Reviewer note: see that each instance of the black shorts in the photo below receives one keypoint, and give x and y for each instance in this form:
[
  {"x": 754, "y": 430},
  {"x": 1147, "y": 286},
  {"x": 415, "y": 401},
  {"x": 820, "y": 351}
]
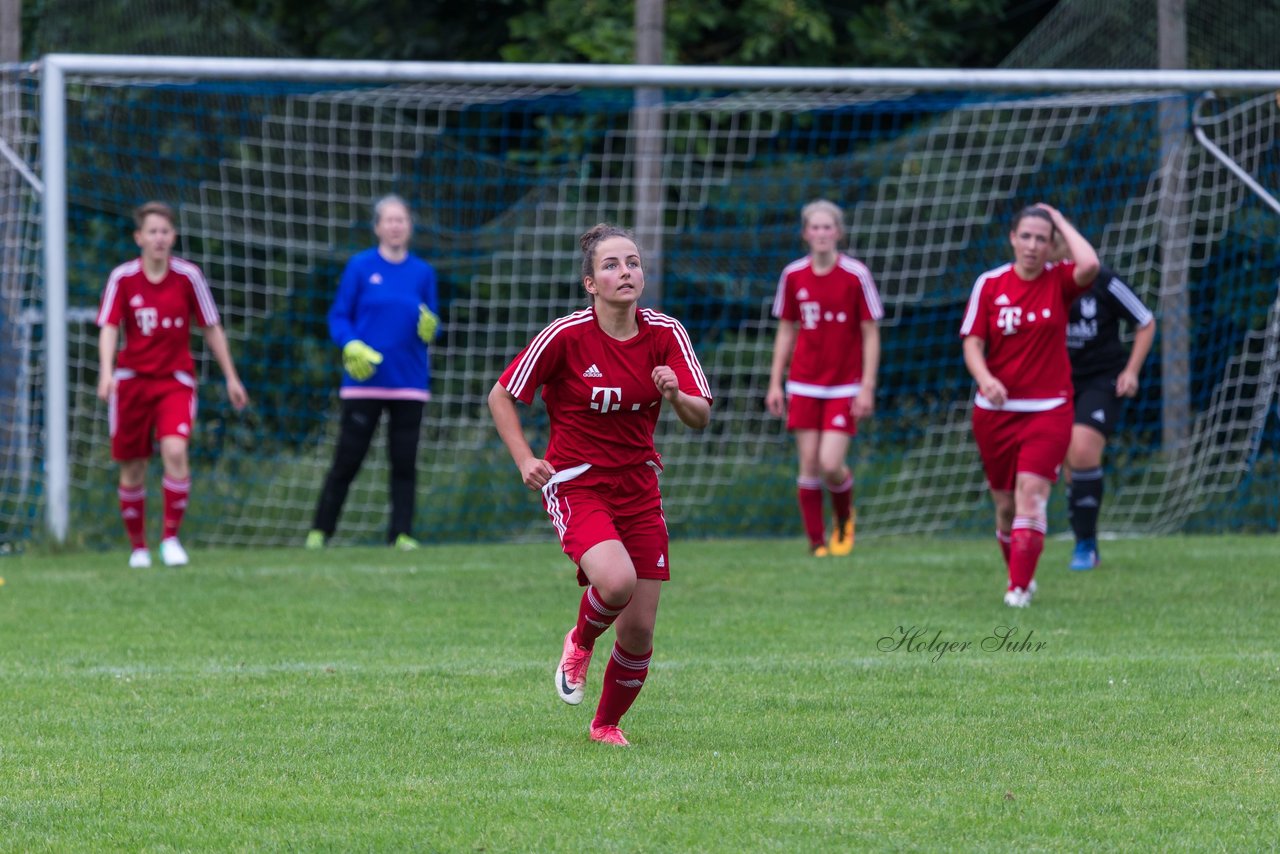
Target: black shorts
[{"x": 1097, "y": 405}]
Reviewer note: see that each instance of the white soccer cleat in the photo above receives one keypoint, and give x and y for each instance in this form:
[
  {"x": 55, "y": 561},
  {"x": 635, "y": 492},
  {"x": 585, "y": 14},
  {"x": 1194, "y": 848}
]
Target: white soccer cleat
[
  {"x": 172, "y": 552},
  {"x": 140, "y": 559},
  {"x": 1017, "y": 598}
]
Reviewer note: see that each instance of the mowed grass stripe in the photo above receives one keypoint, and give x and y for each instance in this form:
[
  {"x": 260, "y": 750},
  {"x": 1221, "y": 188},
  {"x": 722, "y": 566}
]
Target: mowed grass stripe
[{"x": 365, "y": 699}]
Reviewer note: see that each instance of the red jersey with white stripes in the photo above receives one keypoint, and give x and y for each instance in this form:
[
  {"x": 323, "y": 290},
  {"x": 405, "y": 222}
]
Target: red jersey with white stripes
[
  {"x": 156, "y": 316},
  {"x": 1024, "y": 325},
  {"x": 599, "y": 391},
  {"x": 829, "y": 310}
]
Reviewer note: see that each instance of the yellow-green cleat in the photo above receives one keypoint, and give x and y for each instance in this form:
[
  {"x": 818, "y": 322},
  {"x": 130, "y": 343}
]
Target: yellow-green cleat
[
  {"x": 315, "y": 540},
  {"x": 406, "y": 543}
]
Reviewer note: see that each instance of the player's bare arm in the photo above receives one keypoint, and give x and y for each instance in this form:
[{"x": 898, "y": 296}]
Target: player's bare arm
[
  {"x": 108, "y": 339},
  {"x": 1079, "y": 249},
  {"x": 1143, "y": 338},
  {"x": 694, "y": 411},
  {"x": 975, "y": 359},
  {"x": 864, "y": 405},
  {"x": 535, "y": 472},
  {"x": 784, "y": 344},
  {"x": 216, "y": 338}
]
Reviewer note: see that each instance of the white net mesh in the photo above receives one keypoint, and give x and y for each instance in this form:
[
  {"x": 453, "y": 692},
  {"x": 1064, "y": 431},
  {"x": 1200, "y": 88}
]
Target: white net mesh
[
  {"x": 19, "y": 346},
  {"x": 273, "y": 182}
]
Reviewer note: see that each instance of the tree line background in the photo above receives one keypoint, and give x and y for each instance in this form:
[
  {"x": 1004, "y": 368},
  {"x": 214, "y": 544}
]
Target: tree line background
[{"x": 814, "y": 33}]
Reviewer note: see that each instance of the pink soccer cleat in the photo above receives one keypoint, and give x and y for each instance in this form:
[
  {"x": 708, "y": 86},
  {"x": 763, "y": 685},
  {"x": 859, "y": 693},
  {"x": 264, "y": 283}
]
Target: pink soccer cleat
[
  {"x": 609, "y": 734},
  {"x": 571, "y": 672}
]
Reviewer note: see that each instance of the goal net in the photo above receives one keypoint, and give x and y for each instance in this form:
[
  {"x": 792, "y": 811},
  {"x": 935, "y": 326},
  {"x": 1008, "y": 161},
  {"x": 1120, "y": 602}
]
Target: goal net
[{"x": 274, "y": 180}]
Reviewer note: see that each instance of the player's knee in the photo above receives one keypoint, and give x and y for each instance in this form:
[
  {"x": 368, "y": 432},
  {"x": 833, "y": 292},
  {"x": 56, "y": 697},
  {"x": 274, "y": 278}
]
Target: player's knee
[
  {"x": 175, "y": 461},
  {"x": 834, "y": 472},
  {"x": 1079, "y": 459},
  {"x": 132, "y": 473},
  {"x": 635, "y": 638},
  {"x": 1033, "y": 499},
  {"x": 616, "y": 587}
]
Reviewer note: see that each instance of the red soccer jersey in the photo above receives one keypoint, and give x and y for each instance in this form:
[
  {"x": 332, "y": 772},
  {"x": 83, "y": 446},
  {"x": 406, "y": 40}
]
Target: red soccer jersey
[
  {"x": 829, "y": 310},
  {"x": 1024, "y": 325},
  {"x": 156, "y": 318},
  {"x": 587, "y": 376}
]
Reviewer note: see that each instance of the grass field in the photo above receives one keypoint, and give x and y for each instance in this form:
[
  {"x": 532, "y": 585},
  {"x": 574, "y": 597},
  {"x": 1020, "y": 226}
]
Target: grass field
[{"x": 370, "y": 700}]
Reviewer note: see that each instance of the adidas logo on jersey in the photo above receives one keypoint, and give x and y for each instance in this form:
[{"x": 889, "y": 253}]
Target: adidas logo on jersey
[
  {"x": 803, "y": 293},
  {"x": 662, "y": 561},
  {"x": 592, "y": 373},
  {"x": 136, "y": 301},
  {"x": 375, "y": 279},
  {"x": 1003, "y": 299},
  {"x": 1099, "y": 416}
]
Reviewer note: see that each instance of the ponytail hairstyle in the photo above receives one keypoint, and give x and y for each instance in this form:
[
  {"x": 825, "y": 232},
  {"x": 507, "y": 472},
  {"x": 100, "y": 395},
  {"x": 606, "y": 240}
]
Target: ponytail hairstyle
[{"x": 593, "y": 237}]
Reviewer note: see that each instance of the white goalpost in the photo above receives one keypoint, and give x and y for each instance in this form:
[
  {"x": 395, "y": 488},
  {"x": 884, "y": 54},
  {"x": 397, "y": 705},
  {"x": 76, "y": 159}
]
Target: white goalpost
[{"x": 272, "y": 165}]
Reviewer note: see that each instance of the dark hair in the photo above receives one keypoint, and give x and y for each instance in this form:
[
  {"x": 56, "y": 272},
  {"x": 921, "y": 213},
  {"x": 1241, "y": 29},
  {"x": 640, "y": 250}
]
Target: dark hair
[
  {"x": 592, "y": 238},
  {"x": 1038, "y": 213},
  {"x": 142, "y": 211}
]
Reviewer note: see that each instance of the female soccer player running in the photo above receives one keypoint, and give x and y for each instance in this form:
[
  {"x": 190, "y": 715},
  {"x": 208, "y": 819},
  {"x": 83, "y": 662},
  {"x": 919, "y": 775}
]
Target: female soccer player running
[
  {"x": 605, "y": 371},
  {"x": 1103, "y": 375},
  {"x": 151, "y": 388},
  {"x": 1015, "y": 347},
  {"x": 827, "y": 307}
]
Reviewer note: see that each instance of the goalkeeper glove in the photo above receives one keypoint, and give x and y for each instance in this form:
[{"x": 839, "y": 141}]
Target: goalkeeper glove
[
  {"x": 428, "y": 323},
  {"x": 359, "y": 359}
]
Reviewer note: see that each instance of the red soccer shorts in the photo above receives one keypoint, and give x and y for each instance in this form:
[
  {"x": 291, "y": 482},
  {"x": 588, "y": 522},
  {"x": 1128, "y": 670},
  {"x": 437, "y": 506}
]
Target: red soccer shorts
[
  {"x": 599, "y": 505},
  {"x": 817, "y": 413},
  {"x": 143, "y": 406},
  {"x": 1015, "y": 442}
]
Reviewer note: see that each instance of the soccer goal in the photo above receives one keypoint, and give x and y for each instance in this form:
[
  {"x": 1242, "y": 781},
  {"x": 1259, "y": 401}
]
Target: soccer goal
[{"x": 273, "y": 166}]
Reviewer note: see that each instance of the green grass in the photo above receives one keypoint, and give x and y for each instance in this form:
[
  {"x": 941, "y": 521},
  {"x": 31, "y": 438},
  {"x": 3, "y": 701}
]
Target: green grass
[{"x": 363, "y": 699}]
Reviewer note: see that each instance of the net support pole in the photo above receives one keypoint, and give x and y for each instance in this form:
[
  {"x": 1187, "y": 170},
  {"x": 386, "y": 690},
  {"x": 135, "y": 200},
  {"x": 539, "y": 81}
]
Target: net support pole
[
  {"x": 10, "y": 31},
  {"x": 646, "y": 123},
  {"x": 1175, "y": 244},
  {"x": 53, "y": 140}
]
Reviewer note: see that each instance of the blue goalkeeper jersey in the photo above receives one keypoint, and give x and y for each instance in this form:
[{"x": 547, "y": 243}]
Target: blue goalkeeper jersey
[{"x": 377, "y": 303}]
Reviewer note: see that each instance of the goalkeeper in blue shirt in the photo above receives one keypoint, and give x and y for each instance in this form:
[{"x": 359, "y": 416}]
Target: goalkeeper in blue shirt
[{"x": 383, "y": 319}]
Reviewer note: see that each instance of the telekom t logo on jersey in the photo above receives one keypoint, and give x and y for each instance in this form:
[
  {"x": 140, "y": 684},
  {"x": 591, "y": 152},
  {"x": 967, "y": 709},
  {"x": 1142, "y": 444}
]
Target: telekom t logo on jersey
[
  {"x": 610, "y": 398},
  {"x": 1009, "y": 319},
  {"x": 810, "y": 314},
  {"x": 148, "y": 319}
]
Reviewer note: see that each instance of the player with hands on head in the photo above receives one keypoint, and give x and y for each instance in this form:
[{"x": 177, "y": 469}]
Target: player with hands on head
[
  {"x": 149, "y": 384},
  {"x": 1103, "y": 373},
  {"x": 384, "y": 318},
  {"x": 605, "y": 372},
  {"x": 1015, "y": 347},
  {"x": 828, "y": 311}
]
